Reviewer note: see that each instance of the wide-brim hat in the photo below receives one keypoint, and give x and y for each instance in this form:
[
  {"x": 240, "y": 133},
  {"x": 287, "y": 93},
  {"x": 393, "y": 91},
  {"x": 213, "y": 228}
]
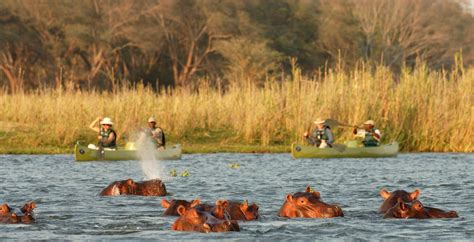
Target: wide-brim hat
[
  {"x": 151, "y": 120},
  {"x": 320, "y": 121},
  {"x": 369, "y": 122},
  {"x": 107, "y": 121}
]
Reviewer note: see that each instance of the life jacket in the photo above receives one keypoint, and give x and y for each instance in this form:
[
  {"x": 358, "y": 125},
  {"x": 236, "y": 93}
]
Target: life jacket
[
  {"x": 105, "y": 136},
  {"x": 322, "y": 134},
  {"x": 158, "y": 130},
  {"x": 369, "y": 139},
  {"x": 318, "y": 136}
]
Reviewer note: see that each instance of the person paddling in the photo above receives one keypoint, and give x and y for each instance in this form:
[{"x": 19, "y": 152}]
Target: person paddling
[
  {"x": 107, "y": 136},
  {"x": 156, "y": 134},
  {"x": 371, "y": 136},
  {"x": 321, "y": 136}
]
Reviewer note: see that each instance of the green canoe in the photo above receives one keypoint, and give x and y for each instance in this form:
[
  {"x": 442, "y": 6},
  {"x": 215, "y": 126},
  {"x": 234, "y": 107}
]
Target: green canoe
[
  {"x": 351, "y": 149},
  {"x": 129, "y": 152}
]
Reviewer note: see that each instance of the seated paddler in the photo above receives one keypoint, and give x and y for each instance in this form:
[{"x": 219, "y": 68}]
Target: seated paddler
[
  {"x": 369, "y": 134},
  {"x": 155, "y": 133},
  {"x": 320, "y": 137},
  {"x": 107, "y": 136}
]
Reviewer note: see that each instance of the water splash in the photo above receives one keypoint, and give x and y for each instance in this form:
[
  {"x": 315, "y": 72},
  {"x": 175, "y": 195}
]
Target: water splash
[{"x": 152, "y": 168}]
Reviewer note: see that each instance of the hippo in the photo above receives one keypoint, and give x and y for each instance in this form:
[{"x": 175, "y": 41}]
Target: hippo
[
  {"x": 222, "y": 208},
  {"x": 197, "y": 220},
  {"x": 391, "y": 198},
  {"x": 417, "y": 210},
  {"x": 172, "y": 206},
  {"x": 129, "y": 187},
  {"x": 239, "y": 211},
  {"x": 308, "y": 204},
  {"x": 12, "y": 215}
]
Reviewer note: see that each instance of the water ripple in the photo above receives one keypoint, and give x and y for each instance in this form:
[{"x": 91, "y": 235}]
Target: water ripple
[{"x": 68, "y": 205}]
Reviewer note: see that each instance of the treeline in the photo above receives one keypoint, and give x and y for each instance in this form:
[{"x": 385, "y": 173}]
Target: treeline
[{"x": 105, "y": 44}]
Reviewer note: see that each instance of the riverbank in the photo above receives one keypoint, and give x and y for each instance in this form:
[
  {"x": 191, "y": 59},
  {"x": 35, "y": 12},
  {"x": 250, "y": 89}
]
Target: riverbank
[{"x": 422, "y": 109}]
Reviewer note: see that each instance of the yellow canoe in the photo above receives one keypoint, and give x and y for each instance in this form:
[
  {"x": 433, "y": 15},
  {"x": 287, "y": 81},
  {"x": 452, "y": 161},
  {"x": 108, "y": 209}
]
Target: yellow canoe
[
  {"x": 129, "y": 152},
  {"x": 347, "y": 150}
]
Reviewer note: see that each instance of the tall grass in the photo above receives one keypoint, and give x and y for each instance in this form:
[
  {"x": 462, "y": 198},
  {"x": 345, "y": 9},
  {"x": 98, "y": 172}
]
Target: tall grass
[{"x": 425, "y": 110}]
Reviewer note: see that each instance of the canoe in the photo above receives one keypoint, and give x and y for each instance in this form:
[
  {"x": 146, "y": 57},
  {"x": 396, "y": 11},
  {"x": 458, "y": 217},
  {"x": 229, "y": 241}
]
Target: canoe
[
  {"x": 351, "y": 149},
  {"x": 83, "y": 153}
]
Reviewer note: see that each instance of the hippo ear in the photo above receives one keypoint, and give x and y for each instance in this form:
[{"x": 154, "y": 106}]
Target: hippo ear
[
  {"x": 194, "y": 203},
  {"x": 4, "y": 208},
  {"x": 316, "y": 194},
  {"x": 225, "y": 203},
  {"x": 181, "y": 210},
  {"x": 289, "y": 198},
  {"x": 222, "y": 203},
  {"x": 384, "y": 193},
  {"x": 129, "y": 182},
  {"x": 244, "y": 206},
  {"x": 28, "y": 207},
  {"x": 414, "y": 195},
  {"x": 308, "y": 188},
  {"x": 165, "y": 203}
]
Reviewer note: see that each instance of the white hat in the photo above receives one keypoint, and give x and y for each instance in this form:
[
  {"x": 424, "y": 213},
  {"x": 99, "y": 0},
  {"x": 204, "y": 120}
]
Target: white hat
[
  {"x": 106, "y": 121},
  {"x": 151, "y": 119},
  {"x": 320, "y": 121},
  {"x": 370, "y": 121}
]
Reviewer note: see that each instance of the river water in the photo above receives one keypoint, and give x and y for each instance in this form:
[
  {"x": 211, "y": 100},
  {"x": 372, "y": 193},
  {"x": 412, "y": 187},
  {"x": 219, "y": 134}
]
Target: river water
[{"x": 68, "y": 205}]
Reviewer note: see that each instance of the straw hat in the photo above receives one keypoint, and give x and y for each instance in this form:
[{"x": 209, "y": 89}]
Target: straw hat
[
  {"x": 107, "y": 121},
  {"x": 151, "y": 120},
  {"x": 320, "y": 121},
  {"x": 370, "y": 122}
]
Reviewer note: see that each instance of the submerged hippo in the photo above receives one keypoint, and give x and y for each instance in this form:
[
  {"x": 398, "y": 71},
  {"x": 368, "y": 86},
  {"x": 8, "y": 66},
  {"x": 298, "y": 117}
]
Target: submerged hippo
[
  {"x": 391, "y": 198},
  {"x": 197, "y": 220},
  {"x": 14, "y": 215},
  {"x": 308, "y": 204},
  {"x": 417, "y": 210},
  {"x": 128, "y": 187},
  {"x": 233, "y": 210}
]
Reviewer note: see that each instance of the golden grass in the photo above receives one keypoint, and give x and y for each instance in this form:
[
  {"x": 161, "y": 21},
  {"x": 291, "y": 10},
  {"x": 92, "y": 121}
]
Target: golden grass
[{"x": 424, "y": 110}]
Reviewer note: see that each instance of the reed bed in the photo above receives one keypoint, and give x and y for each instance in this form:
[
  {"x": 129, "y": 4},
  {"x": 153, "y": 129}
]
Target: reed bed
[{"x": 424, "y": 110}]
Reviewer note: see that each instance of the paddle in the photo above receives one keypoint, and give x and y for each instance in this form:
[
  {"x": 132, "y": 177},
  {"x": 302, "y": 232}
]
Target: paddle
[
  {"x": 334, "y": 123},
  {"x": 101, "y": 147}
]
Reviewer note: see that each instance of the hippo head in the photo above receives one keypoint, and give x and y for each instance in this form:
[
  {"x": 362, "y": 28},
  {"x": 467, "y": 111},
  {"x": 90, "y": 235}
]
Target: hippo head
[
  {"x": 125, "y": 187},
  {"x": 399, "y": 210},
  {"x": 129, "y": 187},
  {"x": 308, "y": 205},
  {"x": 420, "y": 211},
  {"x": 172, "y": 206},
  {"x": 28, "y": 207},
  {"x": 153, "y": 187},
  {"x": 250, "y": 211},
  {"x": 4, "y": 209},
  {"x": 201, "y": 221},
  {"x": 23, "y": 215},
  {"x": 391, "y": 198},
  {"x": 220, "y": 209},
  {"x": 243, "y": 211}
]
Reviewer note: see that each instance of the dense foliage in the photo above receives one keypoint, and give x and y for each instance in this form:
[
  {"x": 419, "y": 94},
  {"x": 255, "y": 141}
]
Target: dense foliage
[{"x": 105, "y": 44}]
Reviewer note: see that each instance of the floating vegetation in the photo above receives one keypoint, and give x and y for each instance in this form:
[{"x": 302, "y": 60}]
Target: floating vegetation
[
  {"x": 234, "y": 165},
  {"x": 173, "y": 173}
]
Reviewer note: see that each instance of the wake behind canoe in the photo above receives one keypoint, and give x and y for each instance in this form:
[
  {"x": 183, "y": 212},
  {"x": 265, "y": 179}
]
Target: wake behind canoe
[
  {"x": 84, "y": 153},
  {"x": 305, "y": 151}
]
